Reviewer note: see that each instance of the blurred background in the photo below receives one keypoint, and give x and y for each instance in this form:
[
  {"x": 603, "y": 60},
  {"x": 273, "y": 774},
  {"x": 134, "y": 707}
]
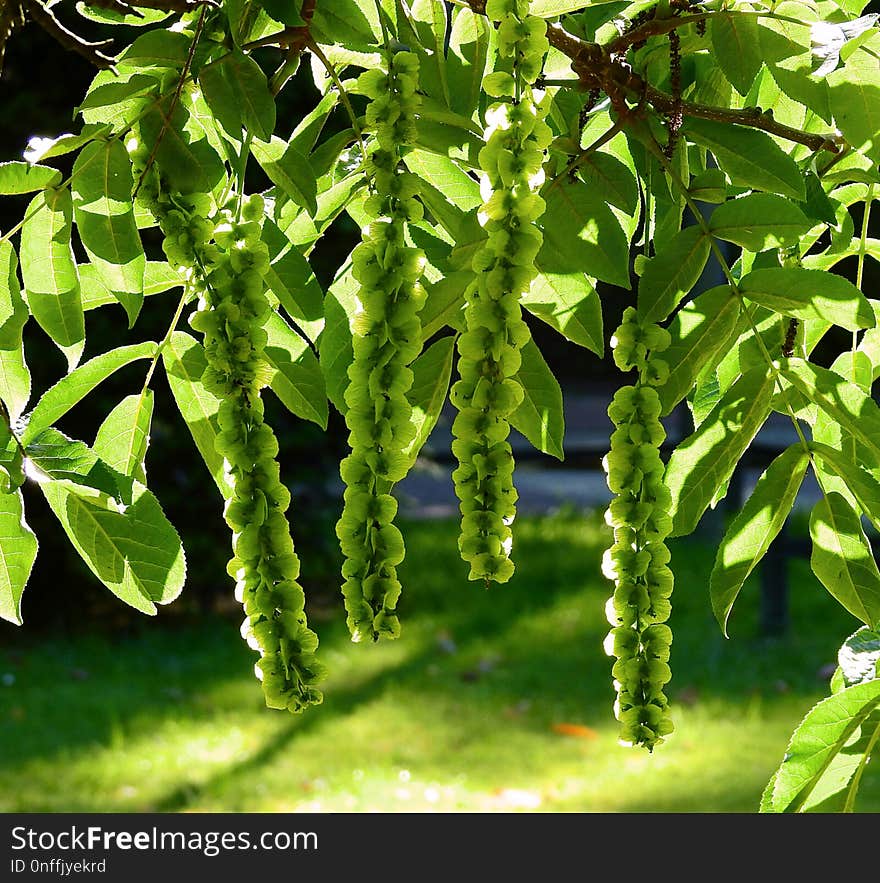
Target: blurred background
[{"x": 490, "y": 701}]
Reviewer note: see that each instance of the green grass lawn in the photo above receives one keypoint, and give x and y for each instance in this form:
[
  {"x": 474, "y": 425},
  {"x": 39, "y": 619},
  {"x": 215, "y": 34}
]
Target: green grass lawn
[{"x": 492, "y": 700}]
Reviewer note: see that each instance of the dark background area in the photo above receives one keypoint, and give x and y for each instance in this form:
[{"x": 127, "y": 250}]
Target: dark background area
[{"x": 40, "y": 85}]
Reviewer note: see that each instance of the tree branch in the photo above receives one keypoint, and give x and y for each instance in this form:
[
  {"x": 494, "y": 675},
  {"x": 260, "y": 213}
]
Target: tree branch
[
  {"x": 598, "y": 67},
  {"x": 45, "y": 18},
  {"x": 656, "y": 27},
  {"x": 752, "y": 117}
]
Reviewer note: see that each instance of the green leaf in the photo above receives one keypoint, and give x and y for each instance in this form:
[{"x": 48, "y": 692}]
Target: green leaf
[
  {"x": 45, "y": 148},
  {"x": 750, "y": 157},
  {"x": 705, "y": 460},
  {"x": 181, "y": 147},
  {"x": 863, "y": 486},
  {"x": 140, "y": 18},
  {"x": 759, "y": 221},
  {"x": 49, "y": 271},
  {"x": 582, "y": 235},
  {"x": 54, "y": 456},
  {"x": 158, "y": 278},
  {"x": 15, "y": 379},
  {"x": 292, "y": 280},
  {"x": 540, "y": 416},
  {"x": 606, "y": 174},
  {"x": 185, "y": 363},
  {"x": 842, "y": 558},
  {"x": 842, "y": 401},
  {"x": 705, "y": 396},
  {"x": 335, "y": 351},
  {"x": 855, "y": 103},
  {"x": 343, "y": 21},
  {"x": 18, "y": 549},
  {"x": 297, "y": 379},
  {"x": 124, "y": 435},
  {"x": 431, "y": 373},
  {"x": 823, "y": 734},
  {"x": 288, "y": 169},
  {"x": 700, "y": 331},
  {"x": 248, "y": 21},
  {"x": 110, "y": 94},
  {"x": 465, "y": 60},
  {"x": 709, "y": 186},
  {"x": 737, "y": 49},
  {"x": 284, "y": 11},
  {"x": 133, "y": 549},
  {"x": 12, "y": 464},
  {"x": 60, "y": 398},
  {"x": 859, "y": 657},
  {"x": 552, "y": 8},
  {"x": 102, "y": 185},
  {"x": 236, "y": 90},
  {"x": 22, "y": 177},
  {"x": 10, "y": 290},
  {"x": 446, "y": 177},
  {"x": 157, "y": 48},
  {"x": 445, "y": 302},
  {"x": 672, "y": 273},
  {"x": 817, "y": 205},
  {"x": 809, "y": 294},
  {"x": 755, "y": 527},
  {"x": 571, "y": 305},
  {"x": 310, "y": 126},
  {"x": 117, "y": 98}
]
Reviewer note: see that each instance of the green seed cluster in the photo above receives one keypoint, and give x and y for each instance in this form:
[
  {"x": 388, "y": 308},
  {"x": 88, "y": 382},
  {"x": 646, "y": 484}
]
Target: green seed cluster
[
  {"x": 387, "y": 338},
  {"x": 488, "y": 391},
  {"x": 223, "y": 261},
  {"x": 638, "y": 561}
]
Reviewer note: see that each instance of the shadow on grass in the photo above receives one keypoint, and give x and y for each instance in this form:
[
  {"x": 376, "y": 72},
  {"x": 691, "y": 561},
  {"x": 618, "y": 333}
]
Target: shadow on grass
[
  {"x": 537, "y": 639},
  {"x": 82, "y": 689}
]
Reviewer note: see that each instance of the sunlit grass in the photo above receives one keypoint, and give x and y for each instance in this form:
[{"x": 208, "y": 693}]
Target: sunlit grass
[{"x": 491, "y": 700}]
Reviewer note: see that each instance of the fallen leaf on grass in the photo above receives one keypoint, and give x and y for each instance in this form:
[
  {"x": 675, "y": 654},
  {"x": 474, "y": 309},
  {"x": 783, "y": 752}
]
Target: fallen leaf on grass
[{"x": 579, "y": 731}]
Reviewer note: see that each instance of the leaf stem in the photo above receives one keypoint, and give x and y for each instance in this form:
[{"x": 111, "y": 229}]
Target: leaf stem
[
  {"x": 860, "y": 267},
  {"x": 853, "y": 788},
  {"x": 313, "y": 47},
  {"x": 584, "y": 155},
  {"x": 167, "y": 338},
  {"x": 175, "y": 99},
  {"x": 725, "y": 268}
]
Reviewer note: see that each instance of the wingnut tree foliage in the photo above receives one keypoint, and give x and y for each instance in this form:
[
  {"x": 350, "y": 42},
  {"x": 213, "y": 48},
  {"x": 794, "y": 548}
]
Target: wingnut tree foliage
[{"x": 502, "y": 158}]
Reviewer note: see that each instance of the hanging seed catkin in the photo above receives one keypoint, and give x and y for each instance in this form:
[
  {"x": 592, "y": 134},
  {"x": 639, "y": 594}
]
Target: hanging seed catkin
[
  {"x": 387, "y": 338},
  {"x": 488, "y": 390},
  {"x": 220, "y": 257},
  {"x": 638, "y": 560}
]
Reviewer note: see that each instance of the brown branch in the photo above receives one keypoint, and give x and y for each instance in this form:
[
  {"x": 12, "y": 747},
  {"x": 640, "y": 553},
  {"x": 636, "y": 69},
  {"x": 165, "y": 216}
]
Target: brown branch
[
  {"x": 656, "y": 27},
  {"x": 597, "y": 67},
  {"x": 11, "y": 17},
  {"x": 753, "y": 117},
  {"x": 296, "y": 44},
  {"x": 45, "y": 18}
]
